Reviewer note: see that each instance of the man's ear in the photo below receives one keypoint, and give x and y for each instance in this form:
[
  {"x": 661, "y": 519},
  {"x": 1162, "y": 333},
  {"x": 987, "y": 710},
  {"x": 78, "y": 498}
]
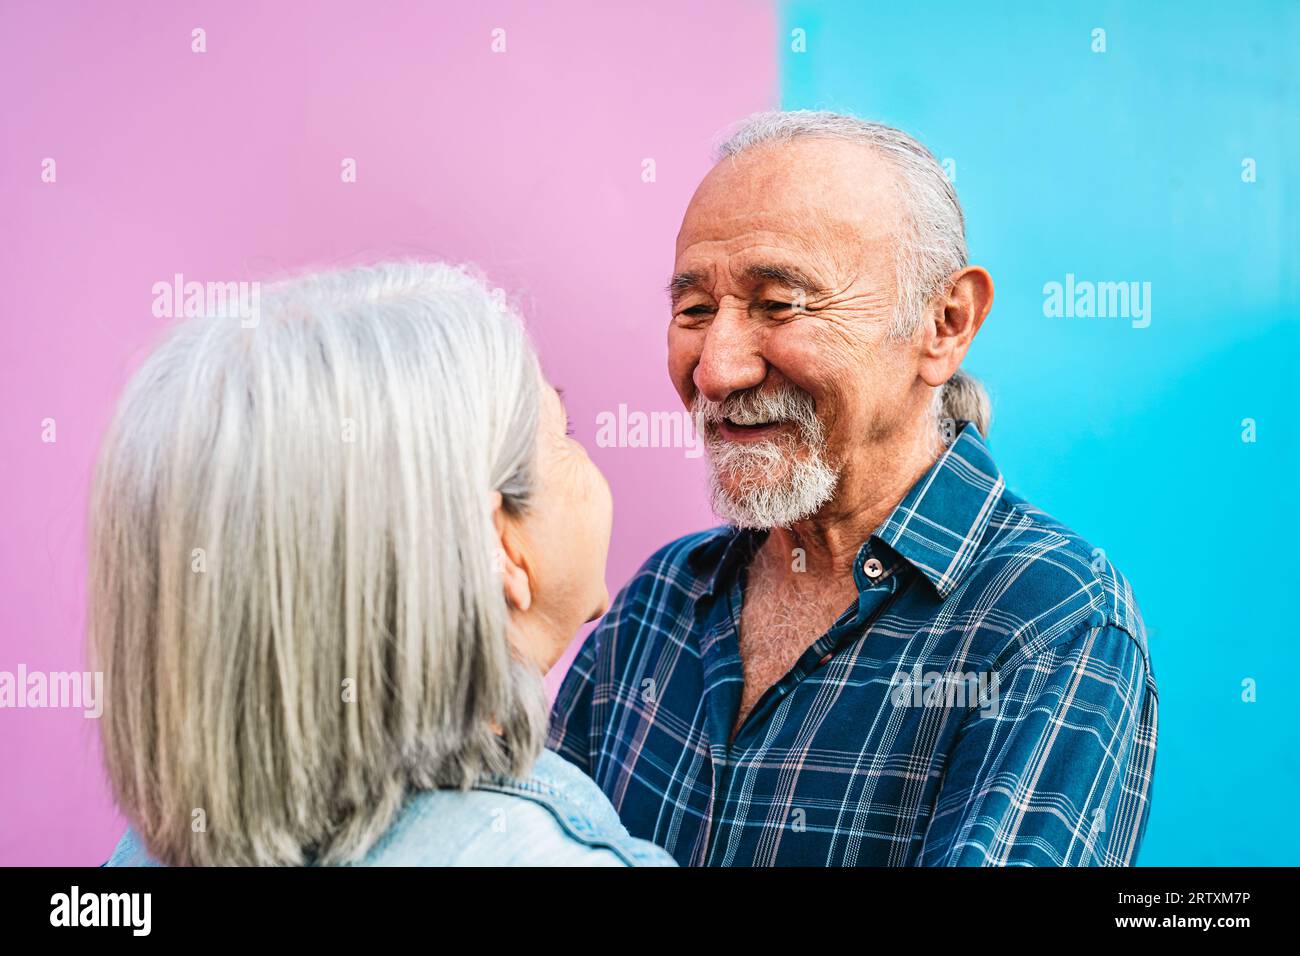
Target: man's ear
[
  {"x": 511, "y": 559},
  {"x": 954, "y": 323}
]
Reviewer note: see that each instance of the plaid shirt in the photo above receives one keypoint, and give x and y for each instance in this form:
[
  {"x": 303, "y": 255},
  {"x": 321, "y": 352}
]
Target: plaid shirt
[{"x": 988, "y": 700}]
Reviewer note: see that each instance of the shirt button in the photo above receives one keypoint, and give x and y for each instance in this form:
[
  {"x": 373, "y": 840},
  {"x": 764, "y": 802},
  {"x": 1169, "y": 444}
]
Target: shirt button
[{"x": 873, "y": 568}]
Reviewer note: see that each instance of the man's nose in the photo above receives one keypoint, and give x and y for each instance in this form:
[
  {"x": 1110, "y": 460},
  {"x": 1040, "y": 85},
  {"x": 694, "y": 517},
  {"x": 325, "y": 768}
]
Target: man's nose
[{"x": 731, "y": 360}]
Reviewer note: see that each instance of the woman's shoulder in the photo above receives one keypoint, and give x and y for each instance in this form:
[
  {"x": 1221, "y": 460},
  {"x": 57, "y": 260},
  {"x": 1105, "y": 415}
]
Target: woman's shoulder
[
  {"x": 130, "y": 851},
  {"x": 582, "y": 811},
  {"x": 556, "y": 816}
]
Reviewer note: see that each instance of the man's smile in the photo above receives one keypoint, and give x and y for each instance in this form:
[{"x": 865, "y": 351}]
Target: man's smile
[{"x": 732, "y": 430}]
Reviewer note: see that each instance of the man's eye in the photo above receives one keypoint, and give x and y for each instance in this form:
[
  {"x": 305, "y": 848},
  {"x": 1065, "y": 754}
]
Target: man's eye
[{"x": 698, "y": 310}]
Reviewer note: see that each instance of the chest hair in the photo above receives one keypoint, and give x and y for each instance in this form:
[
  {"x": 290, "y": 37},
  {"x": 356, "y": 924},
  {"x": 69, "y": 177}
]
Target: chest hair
[{"x": 782, "y": 616}]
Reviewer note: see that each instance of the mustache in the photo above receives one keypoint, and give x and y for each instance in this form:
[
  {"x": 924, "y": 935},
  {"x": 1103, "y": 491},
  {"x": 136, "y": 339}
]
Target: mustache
[{"x": 788, "y": 404}]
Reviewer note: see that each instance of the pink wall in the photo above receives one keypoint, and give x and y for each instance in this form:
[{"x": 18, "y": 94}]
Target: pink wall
[{"x": 226, "y": 165}]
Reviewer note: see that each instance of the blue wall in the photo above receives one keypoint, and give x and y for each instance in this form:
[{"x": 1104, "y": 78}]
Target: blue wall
[{"x": 1127, "y": 166}]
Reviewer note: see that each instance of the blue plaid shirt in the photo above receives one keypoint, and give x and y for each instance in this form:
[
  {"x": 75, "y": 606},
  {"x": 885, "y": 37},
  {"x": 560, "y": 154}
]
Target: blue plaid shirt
[{"x": 988, "y": 700}]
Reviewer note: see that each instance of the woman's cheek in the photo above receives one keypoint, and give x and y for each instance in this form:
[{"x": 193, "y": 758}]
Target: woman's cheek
[{"x": 606, "y": 497}]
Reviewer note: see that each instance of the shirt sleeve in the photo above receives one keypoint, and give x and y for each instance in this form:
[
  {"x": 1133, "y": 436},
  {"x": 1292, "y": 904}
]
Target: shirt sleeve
[
  {"x": 570, "y": 732},
  {"x": 1058, "y": 772}
]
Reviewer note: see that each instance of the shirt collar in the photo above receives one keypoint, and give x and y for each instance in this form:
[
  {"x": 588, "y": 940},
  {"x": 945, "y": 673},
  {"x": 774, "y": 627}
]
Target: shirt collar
[
  {"x": 939, "y": 524},
  {"x": 937, "y": 527},
  {"x": 716, "y": 558}
]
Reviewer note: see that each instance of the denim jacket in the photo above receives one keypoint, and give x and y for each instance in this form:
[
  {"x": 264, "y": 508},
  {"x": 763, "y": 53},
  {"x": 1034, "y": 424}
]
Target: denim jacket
[{"x": 555, "y": 817}]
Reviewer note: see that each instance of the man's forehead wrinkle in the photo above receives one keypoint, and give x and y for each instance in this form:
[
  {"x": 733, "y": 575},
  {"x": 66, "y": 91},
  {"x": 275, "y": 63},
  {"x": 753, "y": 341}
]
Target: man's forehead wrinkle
[
  {"x": 748, "y": 259},
  {"x": 820, "y": 261},
  {"x": 813, "y": 229},
  {"x": 773, "y": 269},
  {"x": 838, "y": 229}
]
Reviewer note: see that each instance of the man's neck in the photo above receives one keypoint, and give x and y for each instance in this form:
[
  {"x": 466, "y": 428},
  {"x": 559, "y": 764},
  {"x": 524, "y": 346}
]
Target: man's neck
[{"x": 824, "y": 547}]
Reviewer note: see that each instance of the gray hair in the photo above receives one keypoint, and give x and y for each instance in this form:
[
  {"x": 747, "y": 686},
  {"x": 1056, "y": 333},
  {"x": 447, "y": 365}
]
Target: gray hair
[
  {"x": 294, "y": 592},
  {"x": 932, "y": 245}
]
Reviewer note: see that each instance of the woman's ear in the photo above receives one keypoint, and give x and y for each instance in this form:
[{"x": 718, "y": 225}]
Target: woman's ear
[{"x": 510, "y": 558}]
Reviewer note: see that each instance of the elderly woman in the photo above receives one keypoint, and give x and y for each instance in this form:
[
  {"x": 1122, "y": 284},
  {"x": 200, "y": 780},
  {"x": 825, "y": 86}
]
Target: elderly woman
[{"x": 332, "y": 555}]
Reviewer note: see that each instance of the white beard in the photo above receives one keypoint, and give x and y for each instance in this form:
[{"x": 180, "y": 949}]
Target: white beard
[{"x": 772, "y": 483}]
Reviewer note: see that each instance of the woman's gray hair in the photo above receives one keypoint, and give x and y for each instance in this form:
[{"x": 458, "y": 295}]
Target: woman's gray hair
[
  {"x": 932, "y": 245},
  {"x": 294, "y": 590}
]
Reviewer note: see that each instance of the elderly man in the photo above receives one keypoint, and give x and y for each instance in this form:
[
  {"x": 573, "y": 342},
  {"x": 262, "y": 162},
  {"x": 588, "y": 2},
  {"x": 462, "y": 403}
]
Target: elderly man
[{"x": 886, "y": 657}]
